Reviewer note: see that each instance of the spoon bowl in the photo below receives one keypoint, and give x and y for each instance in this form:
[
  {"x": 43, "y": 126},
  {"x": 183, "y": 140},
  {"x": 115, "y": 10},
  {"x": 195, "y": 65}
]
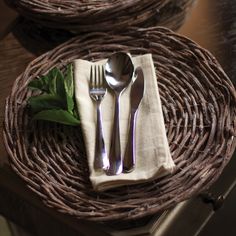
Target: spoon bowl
[{"x": 119, "y": 70}]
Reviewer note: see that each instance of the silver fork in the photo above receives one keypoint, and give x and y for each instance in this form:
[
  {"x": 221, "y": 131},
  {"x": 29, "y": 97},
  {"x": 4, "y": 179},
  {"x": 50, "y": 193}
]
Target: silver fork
[{"x": 97, "y": 91}]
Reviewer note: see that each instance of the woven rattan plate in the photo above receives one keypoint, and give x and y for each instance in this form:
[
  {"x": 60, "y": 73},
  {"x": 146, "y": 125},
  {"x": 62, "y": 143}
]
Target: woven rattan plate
[
  {"x": 199, "y": 105},
  {"x": 103, "y": 15}
]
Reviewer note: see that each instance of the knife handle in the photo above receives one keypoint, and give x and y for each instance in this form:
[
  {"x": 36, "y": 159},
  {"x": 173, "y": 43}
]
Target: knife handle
[{"x": 130, "y": 151}]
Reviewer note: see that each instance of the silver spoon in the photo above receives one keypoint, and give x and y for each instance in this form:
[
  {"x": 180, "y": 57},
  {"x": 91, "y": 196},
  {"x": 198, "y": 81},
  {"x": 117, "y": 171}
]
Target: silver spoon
[{"x": 118, "y": 72}]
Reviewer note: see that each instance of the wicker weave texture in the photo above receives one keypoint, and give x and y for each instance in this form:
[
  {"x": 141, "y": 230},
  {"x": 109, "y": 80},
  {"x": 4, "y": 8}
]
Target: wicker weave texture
[
  {"x": 103, "y": 15},
  {"x": 199, "y": 106}
]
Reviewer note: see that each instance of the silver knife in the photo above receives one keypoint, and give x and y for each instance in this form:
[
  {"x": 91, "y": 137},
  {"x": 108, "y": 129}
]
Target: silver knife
[{"x": 136, "y": 95}]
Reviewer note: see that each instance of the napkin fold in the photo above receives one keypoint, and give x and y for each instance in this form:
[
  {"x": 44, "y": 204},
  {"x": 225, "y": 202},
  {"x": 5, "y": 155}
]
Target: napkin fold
[{"x": 153, "y": 158}]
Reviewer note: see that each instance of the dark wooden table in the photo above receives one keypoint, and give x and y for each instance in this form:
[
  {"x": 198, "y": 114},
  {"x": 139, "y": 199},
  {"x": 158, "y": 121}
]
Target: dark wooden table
[{"x": 211, "y": 24}]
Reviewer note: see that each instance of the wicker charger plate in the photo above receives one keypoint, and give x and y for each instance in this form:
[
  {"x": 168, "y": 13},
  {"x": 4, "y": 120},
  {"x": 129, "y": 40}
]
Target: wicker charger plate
[
  {"x": 103, "y": 15},
  {"x": 199, "y": 105}
]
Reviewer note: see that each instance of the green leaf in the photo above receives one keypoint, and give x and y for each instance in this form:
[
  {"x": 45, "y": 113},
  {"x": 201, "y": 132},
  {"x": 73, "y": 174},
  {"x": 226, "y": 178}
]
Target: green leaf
[
  {"x": 76, "y": 113},
  {"x": 36, "y": 84},
  {"x": 40, "y": 83},
  {"x": 52, "y": 85},
  {"x": 69, "y": 82},
  {"x": 45, "y": 101},
  {"x": 59, "y": 116},
  {"x": 70, "y": 104},
  {"x": 56, "y": 82},
  {"x": 57, "y": 103}
]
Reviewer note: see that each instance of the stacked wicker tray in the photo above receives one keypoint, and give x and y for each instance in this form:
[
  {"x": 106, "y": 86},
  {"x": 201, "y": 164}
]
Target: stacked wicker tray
[
  {"x": 199, "y": 105},
  {"x": 103, "y": 15}
]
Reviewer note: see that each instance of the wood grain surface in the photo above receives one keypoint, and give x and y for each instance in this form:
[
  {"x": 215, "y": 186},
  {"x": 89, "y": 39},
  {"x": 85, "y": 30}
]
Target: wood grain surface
[{"x": 13, "y": 60}]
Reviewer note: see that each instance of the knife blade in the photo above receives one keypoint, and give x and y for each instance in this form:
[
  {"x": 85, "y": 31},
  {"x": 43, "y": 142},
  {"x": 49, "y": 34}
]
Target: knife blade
[
  {"x": 136, "y": 95},
  {"x": 137, "y": 89}
]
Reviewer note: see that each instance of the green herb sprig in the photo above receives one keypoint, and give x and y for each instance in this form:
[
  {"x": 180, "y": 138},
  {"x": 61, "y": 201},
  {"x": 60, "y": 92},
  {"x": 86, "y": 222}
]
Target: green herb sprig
[{"x": 56, "y": 101}]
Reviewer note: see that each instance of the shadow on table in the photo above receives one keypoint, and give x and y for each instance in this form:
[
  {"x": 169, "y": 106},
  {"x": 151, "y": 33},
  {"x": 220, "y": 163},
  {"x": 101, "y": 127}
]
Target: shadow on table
[
  {"x": 39, "y": 39},
  {"x": 36, "y": 38}
]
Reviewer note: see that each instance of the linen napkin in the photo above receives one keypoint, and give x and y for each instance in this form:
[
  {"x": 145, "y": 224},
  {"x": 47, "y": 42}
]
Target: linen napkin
[{"x": 153, "y": 158}]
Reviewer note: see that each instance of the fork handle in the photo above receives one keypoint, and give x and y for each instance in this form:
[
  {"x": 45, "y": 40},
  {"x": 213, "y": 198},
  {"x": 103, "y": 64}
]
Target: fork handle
[
  {"x": 101, "y": 159},
  {"x": 116, "y": 165}
]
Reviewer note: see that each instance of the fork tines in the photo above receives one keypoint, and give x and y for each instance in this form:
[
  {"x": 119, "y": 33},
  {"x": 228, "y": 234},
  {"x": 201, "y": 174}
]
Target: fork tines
[{"x": 97, "y": 77}]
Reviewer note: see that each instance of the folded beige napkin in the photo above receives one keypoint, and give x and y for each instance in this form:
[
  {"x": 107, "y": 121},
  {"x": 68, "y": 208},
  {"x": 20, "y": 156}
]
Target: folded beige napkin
[{"x": 153, "y": 158}]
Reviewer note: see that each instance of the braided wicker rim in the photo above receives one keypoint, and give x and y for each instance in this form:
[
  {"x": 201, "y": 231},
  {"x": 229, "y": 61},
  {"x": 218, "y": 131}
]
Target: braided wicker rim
[
  {"x": 199, "y": 105},
  {"x": 103, "y": 15}
]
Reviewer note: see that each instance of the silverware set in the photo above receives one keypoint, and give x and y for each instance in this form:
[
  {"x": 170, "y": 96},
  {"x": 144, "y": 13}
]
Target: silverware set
[{"x": 118, "y": 72}]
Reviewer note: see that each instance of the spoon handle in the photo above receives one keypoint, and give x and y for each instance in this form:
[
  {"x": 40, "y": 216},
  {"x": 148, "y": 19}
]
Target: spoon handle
[
  {"x": 115, "y": 160},
  {"x": 130, "y": 152}
]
